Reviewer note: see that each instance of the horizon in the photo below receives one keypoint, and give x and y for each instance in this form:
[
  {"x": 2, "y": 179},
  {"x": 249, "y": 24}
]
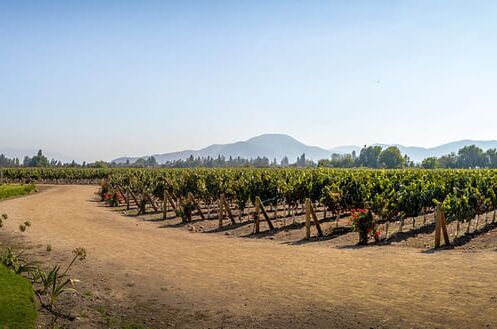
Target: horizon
[
  {"x": 94, "y": 81},
  {"x": 334, "y": 150}
]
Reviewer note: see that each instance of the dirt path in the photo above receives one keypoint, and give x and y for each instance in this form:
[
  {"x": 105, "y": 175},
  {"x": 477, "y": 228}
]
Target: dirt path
[{"x": 179, "y": 279}]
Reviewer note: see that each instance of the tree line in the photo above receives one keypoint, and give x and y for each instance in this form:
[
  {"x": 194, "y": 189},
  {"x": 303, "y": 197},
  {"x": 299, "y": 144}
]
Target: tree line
[
  {"x": 369, "y": 157},
  {"x": 466, "y": 158}
]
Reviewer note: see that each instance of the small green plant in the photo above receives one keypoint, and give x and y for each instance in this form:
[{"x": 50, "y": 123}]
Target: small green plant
[
  {"x": 16, "y": 262},
  {"x": 54, "y": 283}
]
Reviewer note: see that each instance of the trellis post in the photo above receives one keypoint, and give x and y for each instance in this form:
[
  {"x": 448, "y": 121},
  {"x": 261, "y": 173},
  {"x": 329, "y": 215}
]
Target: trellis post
[{"x": 440, "y": 228}]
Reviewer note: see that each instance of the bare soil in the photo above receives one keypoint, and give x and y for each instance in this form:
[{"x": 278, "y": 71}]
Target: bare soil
[{"x": 162, "y": 273}]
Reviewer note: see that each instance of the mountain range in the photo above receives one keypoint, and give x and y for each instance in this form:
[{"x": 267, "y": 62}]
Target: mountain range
[{"x": 280, "y": 145}]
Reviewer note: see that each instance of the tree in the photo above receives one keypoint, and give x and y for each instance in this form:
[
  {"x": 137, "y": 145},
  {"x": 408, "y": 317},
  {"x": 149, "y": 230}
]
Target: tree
[
  {"x": 471, "y": 157},
  {"x": 448, "y": 161},
  {"x": 285, "y": 162},
  {"x": 39, "y": 160},
  {"x": 430, "y": 163},
  {"x": 491, "y": 156},
  {"x": 369, "y": 157},
  {"x": 391, "y": 158},
  {"x": 301, "y": 161}
]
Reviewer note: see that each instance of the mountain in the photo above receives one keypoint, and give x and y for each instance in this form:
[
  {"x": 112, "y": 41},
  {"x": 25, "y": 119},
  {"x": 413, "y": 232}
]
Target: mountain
[
  {"x": 280, "y": 145},
  {"x": 267, "y": 145}
]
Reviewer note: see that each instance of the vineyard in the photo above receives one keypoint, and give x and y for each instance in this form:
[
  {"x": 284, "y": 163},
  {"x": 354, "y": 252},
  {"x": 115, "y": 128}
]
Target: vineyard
[
  {"x": 247, "y": 236},
  {"x": 267, "y": 197}
]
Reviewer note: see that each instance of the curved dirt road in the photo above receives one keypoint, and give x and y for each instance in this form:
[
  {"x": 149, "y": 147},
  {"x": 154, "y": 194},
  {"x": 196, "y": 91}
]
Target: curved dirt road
[{"x": 182, "y": 279}]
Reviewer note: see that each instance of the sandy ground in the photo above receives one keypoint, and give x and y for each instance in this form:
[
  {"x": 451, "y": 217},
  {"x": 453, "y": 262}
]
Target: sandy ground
[{"x": 162, "y": 277}]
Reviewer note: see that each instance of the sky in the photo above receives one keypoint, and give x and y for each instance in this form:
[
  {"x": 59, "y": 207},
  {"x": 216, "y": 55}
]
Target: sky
[{"x": 101, "y": 79}]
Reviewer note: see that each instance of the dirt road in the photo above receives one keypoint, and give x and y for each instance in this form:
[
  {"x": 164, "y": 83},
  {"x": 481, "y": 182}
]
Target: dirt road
[{"x": 180, "y": 279}]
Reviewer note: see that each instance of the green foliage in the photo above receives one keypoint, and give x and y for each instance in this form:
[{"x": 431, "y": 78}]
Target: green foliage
[
  {"x": 388, "y": 193},
  {"x": 17, "y": 308},
  {"x": 370, "y": 157},
  {"x": 39, "y": 160},
  {"x": 9, "y": 191},
  {"x": 430, "y": 163},
  {"x": 391, "y": 158}
]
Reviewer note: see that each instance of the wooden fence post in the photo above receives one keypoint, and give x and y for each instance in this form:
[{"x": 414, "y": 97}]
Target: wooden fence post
[
  {"x": 134, "y": 198},
  {"x": 264, "y": 213},
  {"x": 220, "y": 213},
  {"x": 440, "y": 228},
  {"x": 152, "y": 202},
  {"x": 227, "y": 208},
  {"x": 127, "y": 199},
  {"x": 307, "y": 219},
  {"x": 170, "y": 199},
  {"x": 195, "y": 203},
  {"x": 316, "y": 221},
  {"x": 256, "y": 218},
  {"x": 164, "y": 205}
]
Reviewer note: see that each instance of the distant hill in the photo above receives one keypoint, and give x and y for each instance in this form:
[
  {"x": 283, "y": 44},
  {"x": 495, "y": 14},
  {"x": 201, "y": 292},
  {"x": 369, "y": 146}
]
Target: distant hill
[
  {"x": 267, "y": 145},
  {"x": 280, "y": 145}
]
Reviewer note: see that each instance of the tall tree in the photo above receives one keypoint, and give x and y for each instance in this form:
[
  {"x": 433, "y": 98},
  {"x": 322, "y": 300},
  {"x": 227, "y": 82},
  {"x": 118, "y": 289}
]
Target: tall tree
[
  {"x": 369, "y": 157},
  {"x": 391, "y": 158}
]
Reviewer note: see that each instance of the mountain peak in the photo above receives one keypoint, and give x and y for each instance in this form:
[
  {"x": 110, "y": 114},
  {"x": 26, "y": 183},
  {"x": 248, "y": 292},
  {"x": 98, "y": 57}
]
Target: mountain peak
[
  {"x": 275, "y": 145},
  {"x": 272, "y": 146}
]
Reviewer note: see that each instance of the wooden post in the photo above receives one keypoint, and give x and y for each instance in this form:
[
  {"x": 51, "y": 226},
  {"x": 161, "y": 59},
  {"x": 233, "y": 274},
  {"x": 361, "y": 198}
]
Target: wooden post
[
  {"x": 142, "y": 207},
  {"x": 227, "y": 208},
  {"x": 195, "y": 203},
  {"x": 127, "y": 199},
  {"x": 307, "y": 219},
  {"x": 440, "y": 228},
  {"x": 122, "y": 194},
  {"x": 256, "y": 217},
  {"x": 220, "y": 212},
  {"x": 152, "y": 202},
  {"x": 164, "y": 205},
  {"x": 134, "y": 198},
  {"x": 444, "y": 228},
  {"x": 170, "y": 199},
  {"x": 316, "y": 222},
  {"x": 264, "y": 213}
]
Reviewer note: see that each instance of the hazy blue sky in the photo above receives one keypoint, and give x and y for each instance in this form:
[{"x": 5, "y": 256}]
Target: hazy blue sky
[{"x": 107, "y": 78}]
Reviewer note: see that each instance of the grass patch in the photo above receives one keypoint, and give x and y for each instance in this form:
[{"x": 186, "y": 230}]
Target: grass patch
[
  {"x": 17, "y": 307},
  {"x": 9, "y": 191}
]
